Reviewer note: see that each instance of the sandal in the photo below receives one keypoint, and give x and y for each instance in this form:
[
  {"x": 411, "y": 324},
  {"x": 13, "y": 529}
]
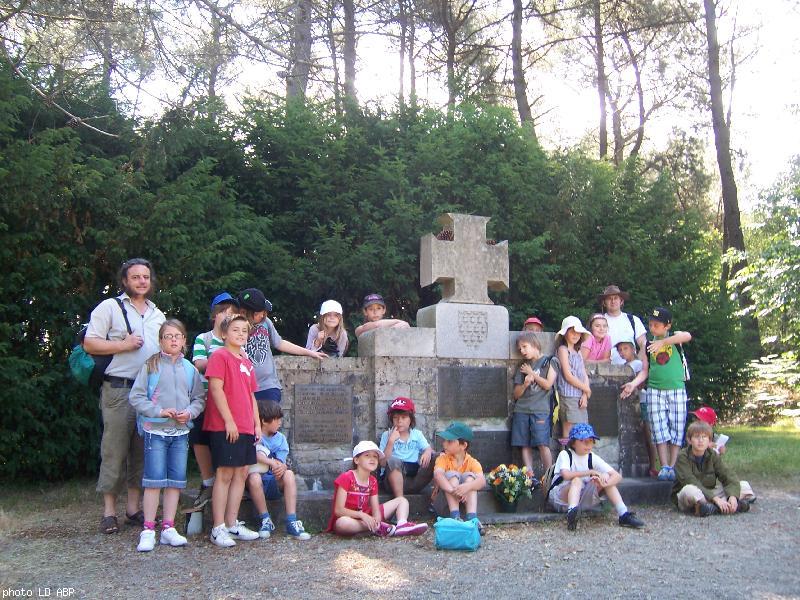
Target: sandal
[
  {"x": 136, "y": 519},
  {"x": 109, "y": 525}
]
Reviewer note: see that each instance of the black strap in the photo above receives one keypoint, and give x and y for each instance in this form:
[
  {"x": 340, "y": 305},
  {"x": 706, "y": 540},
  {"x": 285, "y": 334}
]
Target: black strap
[
  {"x": 633, "y": 329},
  {"x": 124, "y": 314},
  {"x": 558, "y": 479}
]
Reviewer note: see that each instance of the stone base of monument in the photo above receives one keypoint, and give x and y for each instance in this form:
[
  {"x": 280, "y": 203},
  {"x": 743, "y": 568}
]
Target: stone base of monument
[
  {"x": 314, "y": 508},
  {"x": 467, "y": 330}
]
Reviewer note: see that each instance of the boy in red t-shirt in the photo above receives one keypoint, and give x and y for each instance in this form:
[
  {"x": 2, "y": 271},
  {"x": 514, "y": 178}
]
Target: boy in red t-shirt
[{"x": 233, "y": 425}]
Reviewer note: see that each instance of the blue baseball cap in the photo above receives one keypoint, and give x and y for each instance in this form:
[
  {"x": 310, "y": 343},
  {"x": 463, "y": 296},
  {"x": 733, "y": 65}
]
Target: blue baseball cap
[
  {"x": 224, "y": 298},
  {"x": 582, "y": 431}
]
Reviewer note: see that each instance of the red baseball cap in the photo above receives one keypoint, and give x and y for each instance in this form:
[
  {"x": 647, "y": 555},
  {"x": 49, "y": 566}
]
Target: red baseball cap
[
  {"x": 534, "y": 321},
  {"x": 705, "y": 414},
  {"x": 401, "y": 403}
]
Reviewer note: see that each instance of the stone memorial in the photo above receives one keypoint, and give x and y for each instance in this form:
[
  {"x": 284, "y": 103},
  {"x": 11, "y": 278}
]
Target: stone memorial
[{"x": 473, "y": 392}]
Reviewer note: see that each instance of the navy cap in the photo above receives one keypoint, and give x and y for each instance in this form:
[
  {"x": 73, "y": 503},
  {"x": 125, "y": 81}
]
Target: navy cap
[{"x": 253, "y": 299}]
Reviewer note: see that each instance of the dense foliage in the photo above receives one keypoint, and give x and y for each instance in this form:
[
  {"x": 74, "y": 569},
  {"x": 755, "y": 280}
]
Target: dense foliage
[{"x": 308, "y": 205}]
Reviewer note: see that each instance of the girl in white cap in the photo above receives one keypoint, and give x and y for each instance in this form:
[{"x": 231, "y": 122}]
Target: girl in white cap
[
  {"x": 356, "y": 508},
  {"x": 573, "y": 382},
  {"x": 328, "y": 335}
]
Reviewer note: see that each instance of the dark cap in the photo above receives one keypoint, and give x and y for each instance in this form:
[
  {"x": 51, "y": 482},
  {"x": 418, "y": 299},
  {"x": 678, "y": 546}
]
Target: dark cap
[
  {"x": 371, "y": 299},
  {"x": 253, "y": 299},
  {"x": 660, "y": 314}
]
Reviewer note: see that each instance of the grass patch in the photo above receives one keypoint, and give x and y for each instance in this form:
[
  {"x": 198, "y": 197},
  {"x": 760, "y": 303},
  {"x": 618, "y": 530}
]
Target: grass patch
[{"x": 767, "y": 453}]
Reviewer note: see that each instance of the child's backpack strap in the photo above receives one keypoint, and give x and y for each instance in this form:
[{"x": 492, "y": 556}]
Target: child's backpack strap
[{"x": 633, "y": 329}]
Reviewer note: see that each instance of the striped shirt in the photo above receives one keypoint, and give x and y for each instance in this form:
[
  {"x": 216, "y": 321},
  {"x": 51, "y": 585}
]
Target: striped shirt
[
  {"x": 578, "y": 369},
  {"x": 199, "y": 351}
]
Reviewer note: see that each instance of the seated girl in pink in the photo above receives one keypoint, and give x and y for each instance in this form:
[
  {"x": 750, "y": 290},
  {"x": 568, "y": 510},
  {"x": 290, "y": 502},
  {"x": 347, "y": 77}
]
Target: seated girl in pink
[{"x": 597, "y": 348}]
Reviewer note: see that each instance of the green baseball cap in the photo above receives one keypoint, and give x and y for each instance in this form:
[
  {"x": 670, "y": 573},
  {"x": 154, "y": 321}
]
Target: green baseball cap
[{"x": 456, "y": 431}]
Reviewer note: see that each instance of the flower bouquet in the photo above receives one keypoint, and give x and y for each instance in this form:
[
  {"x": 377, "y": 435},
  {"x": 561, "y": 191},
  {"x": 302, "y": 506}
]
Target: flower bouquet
[{"x": 509, "y": 483}]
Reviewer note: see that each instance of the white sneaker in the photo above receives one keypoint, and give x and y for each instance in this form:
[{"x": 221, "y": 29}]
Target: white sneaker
[
  {"x": 221, "y": 537},
  {"x": 240, "y": 532},
  {"x": 147, "y": 540},
  {"x": 171, "y": 537}
]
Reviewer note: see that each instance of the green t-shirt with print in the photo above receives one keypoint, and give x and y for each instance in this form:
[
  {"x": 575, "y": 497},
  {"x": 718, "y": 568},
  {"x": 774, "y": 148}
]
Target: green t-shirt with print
[{"x": 666, "y": 369}]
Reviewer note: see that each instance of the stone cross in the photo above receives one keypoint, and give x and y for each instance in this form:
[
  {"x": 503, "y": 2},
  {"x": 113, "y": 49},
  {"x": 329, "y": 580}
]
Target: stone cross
[{"x": 466, "y": 265}]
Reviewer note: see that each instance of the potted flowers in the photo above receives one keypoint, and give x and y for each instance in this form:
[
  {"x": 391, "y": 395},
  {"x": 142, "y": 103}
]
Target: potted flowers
[{"x": 509, "y": 483}]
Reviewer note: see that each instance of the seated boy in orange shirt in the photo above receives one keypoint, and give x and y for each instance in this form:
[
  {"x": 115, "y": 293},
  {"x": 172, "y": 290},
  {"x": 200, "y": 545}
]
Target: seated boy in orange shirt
[{"x": 458, "y": 474}]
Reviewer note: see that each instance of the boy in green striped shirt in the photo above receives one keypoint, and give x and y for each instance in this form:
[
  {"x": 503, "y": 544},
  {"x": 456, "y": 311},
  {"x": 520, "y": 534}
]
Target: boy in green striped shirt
[{"x": 204, "y": 345}]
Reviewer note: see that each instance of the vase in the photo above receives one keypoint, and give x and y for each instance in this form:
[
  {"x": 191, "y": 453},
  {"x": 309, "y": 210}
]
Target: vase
[{"x": 506, "y": 506}]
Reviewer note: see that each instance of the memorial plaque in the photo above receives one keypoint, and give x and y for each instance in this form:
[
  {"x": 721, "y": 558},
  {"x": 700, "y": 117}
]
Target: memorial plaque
[
  {"x": 323, "y": 414},
  {"x": 473, "y": 392},
  {"x": 603, "y": 412}
]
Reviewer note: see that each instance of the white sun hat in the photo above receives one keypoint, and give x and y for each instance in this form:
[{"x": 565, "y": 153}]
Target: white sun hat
[
  {"x": 330, "y": 306},
  {"x": 366, "y": 446},
  {"x": 574, "y": 323}
]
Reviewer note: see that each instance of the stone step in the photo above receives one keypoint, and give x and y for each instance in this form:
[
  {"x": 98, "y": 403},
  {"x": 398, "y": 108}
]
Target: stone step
[{"x": 314, "y": 508}]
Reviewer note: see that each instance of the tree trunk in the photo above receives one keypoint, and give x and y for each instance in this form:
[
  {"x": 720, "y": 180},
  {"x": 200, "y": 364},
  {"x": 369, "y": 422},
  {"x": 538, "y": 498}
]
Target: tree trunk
[
  {"x": 214, "y": 59},
  {"x": 403, "y": 18},
  {"x": 108, "y": 45},
  {"x": 412, "y": 68},
  {"x": 520, "y": 86},
  {"x": 349, "y": 55},
  {"x": 616, "y": 128},
  {"x": 732, "y": 237},
  {"x": 637, "y": 144},
  {"x": 602, "y": 84},
  {"x": 297, "y": 79},
  {"x": 332, "y": 46}
]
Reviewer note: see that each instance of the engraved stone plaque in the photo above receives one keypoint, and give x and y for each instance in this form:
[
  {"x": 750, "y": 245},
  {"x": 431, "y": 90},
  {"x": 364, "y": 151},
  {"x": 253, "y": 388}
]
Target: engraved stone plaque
[
  {"x": 473, "y": 392},
  {"x": 603, "y": 412},
  {"x": 473, "y": 325},
  {"x": 323, "y": 414}
]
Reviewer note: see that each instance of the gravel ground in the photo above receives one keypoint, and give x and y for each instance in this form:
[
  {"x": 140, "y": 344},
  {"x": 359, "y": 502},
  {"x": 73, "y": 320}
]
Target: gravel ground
[{"x": 752, "y": 555}]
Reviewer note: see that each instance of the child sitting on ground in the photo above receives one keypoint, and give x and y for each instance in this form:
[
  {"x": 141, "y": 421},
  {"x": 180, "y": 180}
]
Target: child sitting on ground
[
  {"x": 374, "y": 308},
  {"x": 278, "y": 480},
  {"x": 704, "y": 485},
  {"x": 355, "y": 508},
  {"x": 328, "y": 335},
  {"x": 167, "y": 394},
  {"x": 573, "y": 381},
  {"x": 533, "y": 324},
  {"x": 407, "y": 454},
  {"x": 582, "y": 477},
  {"x": 597, "y": 347},
  {"x": 708, "y": 415},
  {"x": 457, "y": 474},
  {"x": 531, "y": 422}
]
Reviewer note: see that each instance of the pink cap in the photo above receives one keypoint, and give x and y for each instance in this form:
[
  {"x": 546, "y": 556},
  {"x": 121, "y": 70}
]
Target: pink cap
[
  {"x": 401, "y": 403},
  {"x": 534, "y": 321}
]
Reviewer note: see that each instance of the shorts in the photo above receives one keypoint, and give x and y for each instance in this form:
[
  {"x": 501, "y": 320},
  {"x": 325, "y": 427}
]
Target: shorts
[
  {"x": 196, "y": 434},
  {"x": 590, "y": 496},
  {"x": 272, "y": 490},
  {"x": 568, "y": 410},
  {"x": 240, "y": 453},
  {"x": 415, "y": 476},
  {"x": 462, "y": 477},
  {"x": 643, "y": 410},
  {"x": 165, "y": 460},
  {"x": 269, "y": 394},
  {"x": 529, "y": 430},
  {"x": 666, "y": 412}
]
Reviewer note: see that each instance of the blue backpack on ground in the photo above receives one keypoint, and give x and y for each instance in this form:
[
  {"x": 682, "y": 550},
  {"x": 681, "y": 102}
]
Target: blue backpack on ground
[
  {"x": 452, "y": 534},
  {"x": 152, "y": 382}
]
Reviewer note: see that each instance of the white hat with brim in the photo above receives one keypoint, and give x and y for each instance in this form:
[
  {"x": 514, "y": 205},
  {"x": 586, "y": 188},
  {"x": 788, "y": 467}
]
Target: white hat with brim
[
  {"x": 366, "y": 446},
  {"x": 330, "y": 306},
  {"x": 573, "y": 323}
]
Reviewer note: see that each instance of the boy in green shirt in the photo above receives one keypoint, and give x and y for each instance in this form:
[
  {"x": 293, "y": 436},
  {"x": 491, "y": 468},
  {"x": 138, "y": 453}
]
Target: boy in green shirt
[{"x": 666, "y": 391}]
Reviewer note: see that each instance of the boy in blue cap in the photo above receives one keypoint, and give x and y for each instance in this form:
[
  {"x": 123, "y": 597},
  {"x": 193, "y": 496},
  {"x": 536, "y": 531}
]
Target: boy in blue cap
[
  {"x": 457, "y": 473},
  {"x": 582, "y": 478},
  {"x": 205, "y": 344}
]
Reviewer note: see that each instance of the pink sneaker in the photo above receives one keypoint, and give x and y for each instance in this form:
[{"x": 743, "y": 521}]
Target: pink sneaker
[
  {"x": 385, "y": 530},
  {"x": 410, "y": 528}
]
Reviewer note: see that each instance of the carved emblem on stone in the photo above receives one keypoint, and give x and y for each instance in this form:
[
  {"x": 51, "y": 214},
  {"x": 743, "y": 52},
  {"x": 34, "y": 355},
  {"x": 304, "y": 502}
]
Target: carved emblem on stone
[{"x": 473, "y": 325}]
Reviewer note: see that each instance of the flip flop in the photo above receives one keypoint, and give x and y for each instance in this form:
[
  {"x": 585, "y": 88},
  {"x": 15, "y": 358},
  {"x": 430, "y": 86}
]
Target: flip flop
[
  {"x": 136, "y": 519},
  {"x": 109, "y": 525}
]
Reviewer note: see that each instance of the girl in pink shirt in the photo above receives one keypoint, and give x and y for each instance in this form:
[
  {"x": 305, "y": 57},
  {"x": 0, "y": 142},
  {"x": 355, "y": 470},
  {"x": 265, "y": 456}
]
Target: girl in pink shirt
[{"x": 597, "y": 349}]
